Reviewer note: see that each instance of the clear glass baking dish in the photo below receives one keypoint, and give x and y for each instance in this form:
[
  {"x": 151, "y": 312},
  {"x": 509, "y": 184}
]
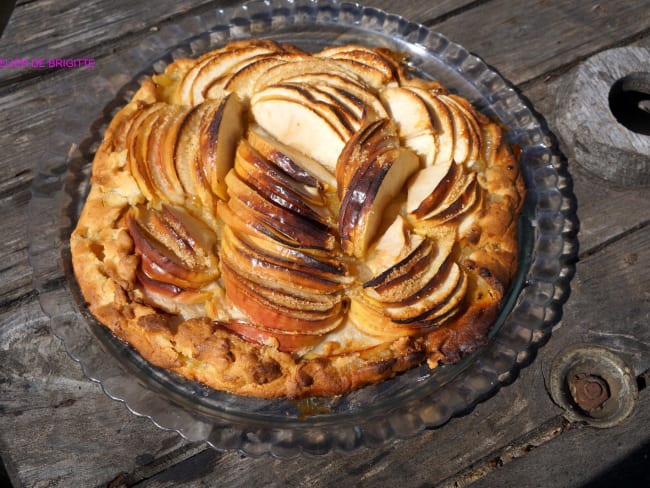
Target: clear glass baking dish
[{"x": 395, "y": 409}]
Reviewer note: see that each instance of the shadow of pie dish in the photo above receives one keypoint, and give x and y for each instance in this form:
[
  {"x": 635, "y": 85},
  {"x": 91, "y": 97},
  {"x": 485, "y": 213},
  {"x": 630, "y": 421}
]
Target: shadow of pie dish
[
  {"x": 342, "y": 271},
  {"x": 277, "y": 223}
]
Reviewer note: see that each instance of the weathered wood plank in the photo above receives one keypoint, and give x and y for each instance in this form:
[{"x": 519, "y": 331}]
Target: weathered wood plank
[
  {"x": 57, "y": 427},
  {"x": 604, "y": 208},
  {"x": 584, "y": 457},
  {"x": 514, "y": 42},
  {"x": 49, "y": 29},
  {"x": 47, "y": 405}
]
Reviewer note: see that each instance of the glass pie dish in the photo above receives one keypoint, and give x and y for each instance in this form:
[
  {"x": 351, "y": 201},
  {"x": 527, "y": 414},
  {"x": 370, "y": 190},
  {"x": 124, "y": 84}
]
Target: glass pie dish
[{"x": 394, "y": 409}]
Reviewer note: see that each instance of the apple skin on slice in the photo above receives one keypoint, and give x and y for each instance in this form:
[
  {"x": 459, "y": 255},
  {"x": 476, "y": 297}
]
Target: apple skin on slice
[
  {"x": 300, "y": 126},
  {"x": 219, "y": 137},
  {"x": 371, "y": 171},
  {"x": 279, "y": 339},
  {"x": 212, "y": 66},
  {"x": 300, "y": 230},
  {"x": 356, "y": 96},
  {"x": 442, "y": 122},
  {"x": 276, "y": 185},
  {"x": 298, "y": 165},
  {"x": 177, "y": 251},
  {"x": 136, "y": 142},
  {"x": 371, "y": 66},
  {"x": 264, "y": 313},
  {"x": 304, "y": 275}
]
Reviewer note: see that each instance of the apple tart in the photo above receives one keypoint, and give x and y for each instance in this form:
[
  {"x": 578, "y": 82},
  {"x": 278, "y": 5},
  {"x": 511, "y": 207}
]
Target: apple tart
[{"x": 277, "y": 223}]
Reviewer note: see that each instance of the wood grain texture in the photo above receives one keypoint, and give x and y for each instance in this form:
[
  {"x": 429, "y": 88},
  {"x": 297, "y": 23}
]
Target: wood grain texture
[
  {"x": 46, "y": 401},
  {"x": 58, "y": 429},
  {"x": 584, "y": 457},
  {"x": 49, "y": 29},
  {"x": 506, "y": 36}
]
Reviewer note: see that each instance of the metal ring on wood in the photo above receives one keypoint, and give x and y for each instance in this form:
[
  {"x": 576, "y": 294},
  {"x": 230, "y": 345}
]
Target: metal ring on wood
[{"x": 604, "y": 115}]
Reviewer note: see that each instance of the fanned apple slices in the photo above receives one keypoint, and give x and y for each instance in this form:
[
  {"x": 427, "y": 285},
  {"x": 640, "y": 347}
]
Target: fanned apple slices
[{"x": 272, "y": 222}]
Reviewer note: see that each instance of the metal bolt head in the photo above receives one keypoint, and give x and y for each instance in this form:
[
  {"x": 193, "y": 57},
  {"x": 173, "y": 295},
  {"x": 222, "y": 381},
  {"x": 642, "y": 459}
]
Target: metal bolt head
[{"x": 590, "y": 392}]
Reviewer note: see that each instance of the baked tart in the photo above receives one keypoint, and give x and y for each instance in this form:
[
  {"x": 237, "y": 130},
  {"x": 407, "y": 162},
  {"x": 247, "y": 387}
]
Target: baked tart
[{"x": 276, "y": 223}]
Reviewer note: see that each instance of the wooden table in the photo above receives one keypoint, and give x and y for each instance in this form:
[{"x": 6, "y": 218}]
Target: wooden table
[{"x": 57, "y": 428}]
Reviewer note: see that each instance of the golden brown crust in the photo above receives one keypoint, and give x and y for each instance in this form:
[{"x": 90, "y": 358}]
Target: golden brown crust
[{"x": 200, "y": 332}]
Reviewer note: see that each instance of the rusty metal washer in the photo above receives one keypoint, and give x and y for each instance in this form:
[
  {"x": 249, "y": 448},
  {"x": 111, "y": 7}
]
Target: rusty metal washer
[{"x": 593, "y": 385}]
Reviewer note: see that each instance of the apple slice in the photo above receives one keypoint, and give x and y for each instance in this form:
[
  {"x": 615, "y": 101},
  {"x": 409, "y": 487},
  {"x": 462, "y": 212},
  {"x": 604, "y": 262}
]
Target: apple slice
[
  {"x": 300, "y": 231},
  {"x": 160, "y": 157},
  {"x": 356, "y": 96},
  {"x": 299, "y": 166},
  {"x": 301, "y": 126},
  {"x": 412, "y": 278},
  {"x": 328, "y": 269},
  {"x": 371, "y": 66},
  {"x": 175, "y": 247},
  {"x": 472, "y": 117},
  {"x": 452, "y": 182},
  {"x": 465, "y": 202},
  {"x": 137, "y": 140},
  {"x": 441, "y": 119},
  {"x": 408, "y": 110},
  {"x": 219, "y": 136},
  {"x": 242, "y": 81},
  {"x": 316, "y": 100},
  {"x": 441, "y": 291},
  {"x": 283, "y": 72},
  {"x": 371, "y": 321},
  {"x": 371, "y": 171},
  {"x": 424, "y": 185},
  {"x": 316, "y": 281},
  {"x": 445, "y": 309},
  {"x": 281, "y": 176},
  {"x": 167, "y": 296},
  {"x": 267, "y": 314},
  {"x": 276, "y": 186},
  {"x": 414, "y": 123},
  {"x": 461, "y": 194},
  {"x": 278, "y": 339},
  {"x": 186, "y": 157},
  {"x": 197, "y": 80}
]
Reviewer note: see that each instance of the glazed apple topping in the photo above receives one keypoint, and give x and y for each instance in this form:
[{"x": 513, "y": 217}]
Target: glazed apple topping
[{"x": 305, "y": 193}]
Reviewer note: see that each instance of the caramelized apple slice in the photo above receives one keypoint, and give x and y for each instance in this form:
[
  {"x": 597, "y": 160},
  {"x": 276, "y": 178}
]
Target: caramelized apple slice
[
  {"x": 380, "y": 171},
  {"x": 460, "y": 196},
  {"x": 317, "y": 280},
  {"x": 283, "y": 72},
  {"x": 414, "y": 123},
  {"x": 316, "y": 100},
  {"x": 371, "y": 66},
  {"x": 277, "y": 186},
  {"x": 218, "y": 140},
  {"x": 265, "y": 313},
  {"x": 300, "y": 126},
  {"x": 411, "y": 278},
  {"x": 356, "y": 96},
  {"x": 137, "y": 140},
  {"x": 300, "y": 230},
  {"x": 275, "y": 338},
  {"x": 175, "y": 247},
  {"x": 441, "y": 119},
  {"x": 420, "y": 197},
  {"x": 243, "y": 79},
  {"x": 191, "y": 88},
  {"x": 298, "y": 165}
]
